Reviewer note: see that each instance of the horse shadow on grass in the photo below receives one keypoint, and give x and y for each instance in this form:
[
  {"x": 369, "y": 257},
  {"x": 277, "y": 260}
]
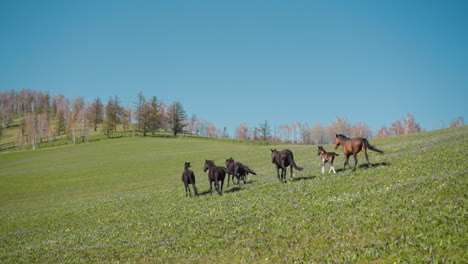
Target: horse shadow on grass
[
  {"x": 229, "y": 190},
  {"x": 365, "y": 166},
  {"x": 304, "y": 178}
]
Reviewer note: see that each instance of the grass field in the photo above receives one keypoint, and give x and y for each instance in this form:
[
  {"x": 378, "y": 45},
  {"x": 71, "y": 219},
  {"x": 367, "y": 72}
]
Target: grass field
[{"x": 122, "y": 201}]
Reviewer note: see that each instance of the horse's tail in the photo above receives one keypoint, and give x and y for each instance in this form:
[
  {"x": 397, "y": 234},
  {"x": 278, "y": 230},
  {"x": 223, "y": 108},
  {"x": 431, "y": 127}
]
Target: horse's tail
[
  {"x": 369, "y": 146},
  {"x": 295, "y": 166},
  {"x": 248, "y": 170}
]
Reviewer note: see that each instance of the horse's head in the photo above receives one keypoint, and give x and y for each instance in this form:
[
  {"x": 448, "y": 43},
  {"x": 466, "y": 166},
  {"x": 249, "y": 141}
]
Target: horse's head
[
  {"x": 337, "y": 140},
  {"x": 208, "y": 165},
  {"x": 229, "y": 161},
  {"x": 187, "y": 165},
  {"x": 320, "y": 150},
  {"x": 273, "y": 155}
]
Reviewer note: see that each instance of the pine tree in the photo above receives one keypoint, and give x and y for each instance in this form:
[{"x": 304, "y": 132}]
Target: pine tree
[{"x": 177, "y": 117}]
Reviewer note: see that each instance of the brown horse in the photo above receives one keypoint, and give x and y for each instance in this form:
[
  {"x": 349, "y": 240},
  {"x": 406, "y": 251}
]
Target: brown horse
[
  {"x": 238, "y": 170},
  {"x": 216, "y": 174},
  {"x": 353, "y": 147},
  {"x": 327, "y": 157},
  {"x": 188, "y": 177},
  {"x": 283, "y": 159}
]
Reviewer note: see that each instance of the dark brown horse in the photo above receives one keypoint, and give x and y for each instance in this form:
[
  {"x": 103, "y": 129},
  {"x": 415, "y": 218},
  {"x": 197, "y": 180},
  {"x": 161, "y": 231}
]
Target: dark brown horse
[
  {"x": 327, "y": 157},
  {"x": 188, "y": 177},
  {"x": 238, "y": 170},
  {"x": 216, "y": 174},
  {"x": 283, "y": 159},
  {"x": 353, "y": 147}
]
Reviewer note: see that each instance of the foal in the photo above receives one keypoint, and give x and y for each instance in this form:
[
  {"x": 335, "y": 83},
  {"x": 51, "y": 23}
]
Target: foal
[
  {"x": 327, "y": 157},
  {"x": 188, "y": 177}
]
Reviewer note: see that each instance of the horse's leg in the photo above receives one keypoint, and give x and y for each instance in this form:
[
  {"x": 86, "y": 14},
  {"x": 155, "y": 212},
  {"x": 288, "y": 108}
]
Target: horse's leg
[
  {"x": 285, "y": 174},
  {"x": 291, "y": 172},
  {"x": 355, "y": 161},
  {"x": 346, "y": 161},
  {"x": 323, "y": 166},
  {"x": 331, "y": 165},
  {"x": 195, "y": 189},
  {"x": 222, "y": 183},
  {"x": 277, "y": 172},
  {"x": 216, "y": 183},
  {"x": 237, "y": 176},
  {"x": 211, "y": 187},
  {"x": 367, "y": 157}
]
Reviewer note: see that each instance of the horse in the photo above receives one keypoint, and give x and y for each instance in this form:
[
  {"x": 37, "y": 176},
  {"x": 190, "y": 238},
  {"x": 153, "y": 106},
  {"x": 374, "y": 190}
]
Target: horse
[
  {"x": 188, "y": 177},
  {"x": 353, "y": 147},
  {"x": 216, "y": 174},
  {"x": 238, "y": 170},
  {"x": 327, "y": 157},
  {"x": 283, "y": 159}
]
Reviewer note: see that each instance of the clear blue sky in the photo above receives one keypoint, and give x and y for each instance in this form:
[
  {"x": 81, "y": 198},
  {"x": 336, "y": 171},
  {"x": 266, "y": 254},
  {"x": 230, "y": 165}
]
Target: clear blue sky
[{"x": 231, "y": 62}]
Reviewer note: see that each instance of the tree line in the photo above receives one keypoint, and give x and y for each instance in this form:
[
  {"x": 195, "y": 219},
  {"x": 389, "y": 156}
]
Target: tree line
[
  {"x": 302, "y": 133},
  {"x": 43, "y": 117}
]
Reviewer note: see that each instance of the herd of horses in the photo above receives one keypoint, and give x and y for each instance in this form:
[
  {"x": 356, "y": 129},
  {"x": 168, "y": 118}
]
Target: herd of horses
[{"x": 281, "y": 159}]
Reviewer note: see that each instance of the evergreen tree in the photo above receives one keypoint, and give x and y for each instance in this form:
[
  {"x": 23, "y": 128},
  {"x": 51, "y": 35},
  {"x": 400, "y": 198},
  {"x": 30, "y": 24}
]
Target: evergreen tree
[
  {"x": 96, "y": 112},
  {"x": 177, "y": 117}
]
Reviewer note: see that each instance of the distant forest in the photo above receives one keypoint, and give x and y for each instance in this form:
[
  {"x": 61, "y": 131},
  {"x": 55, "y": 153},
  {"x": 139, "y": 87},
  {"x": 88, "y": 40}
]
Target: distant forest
[{"x": 42, "y": 117}]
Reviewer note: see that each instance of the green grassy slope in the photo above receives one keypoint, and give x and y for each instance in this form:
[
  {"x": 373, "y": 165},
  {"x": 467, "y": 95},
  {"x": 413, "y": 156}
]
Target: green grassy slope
[{"x": 123, "y": 201}]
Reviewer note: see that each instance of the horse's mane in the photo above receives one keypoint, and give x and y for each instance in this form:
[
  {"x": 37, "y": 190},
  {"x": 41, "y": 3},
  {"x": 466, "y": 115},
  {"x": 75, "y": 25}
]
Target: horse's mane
[{"x": 341, "y": 135}]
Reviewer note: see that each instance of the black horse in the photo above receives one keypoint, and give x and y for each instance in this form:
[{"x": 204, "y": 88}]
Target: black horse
[
  {"x": 238, "y": 170},
  {"x": 188, "y": 177},
  {"x": 283, "y": 159},
  {"x": 216, "y": 174}
]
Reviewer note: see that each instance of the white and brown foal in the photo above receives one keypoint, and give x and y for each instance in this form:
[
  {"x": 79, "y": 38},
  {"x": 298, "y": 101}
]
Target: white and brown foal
[{"x": 327, "y": 157}]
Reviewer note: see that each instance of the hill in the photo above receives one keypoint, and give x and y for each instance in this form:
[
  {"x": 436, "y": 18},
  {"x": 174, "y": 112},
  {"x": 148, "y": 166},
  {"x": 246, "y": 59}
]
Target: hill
[{"x": 123, "y": 201}]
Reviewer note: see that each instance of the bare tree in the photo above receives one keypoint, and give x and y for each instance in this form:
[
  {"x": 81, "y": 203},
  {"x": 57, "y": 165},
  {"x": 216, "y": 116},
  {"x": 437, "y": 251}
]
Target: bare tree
[
  {"x": 360, "y": 130},
  {"x": 211, "y": 130},
  {"x": 305, "y": 134},
  {"x": 164, "y": 116},
  {"x": 264, "y": 130},
  {"x": 397, "y": 128},
  {"x": 410, "y": 125},
  {"x": 77, "y": 122},
  {"x": 242, "y": 131},
  {"x": 458, "y": 122},
  {"x": 32, "y": 129},
  {"x": 318, "y": 134},
  {"x": 225, "y": 132},
  {"x": 43, "y": 127},
  {"x": 340, "y": 126},
  {"x": 383, "y": 132},
  {"x": 284, "y": 132}
]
